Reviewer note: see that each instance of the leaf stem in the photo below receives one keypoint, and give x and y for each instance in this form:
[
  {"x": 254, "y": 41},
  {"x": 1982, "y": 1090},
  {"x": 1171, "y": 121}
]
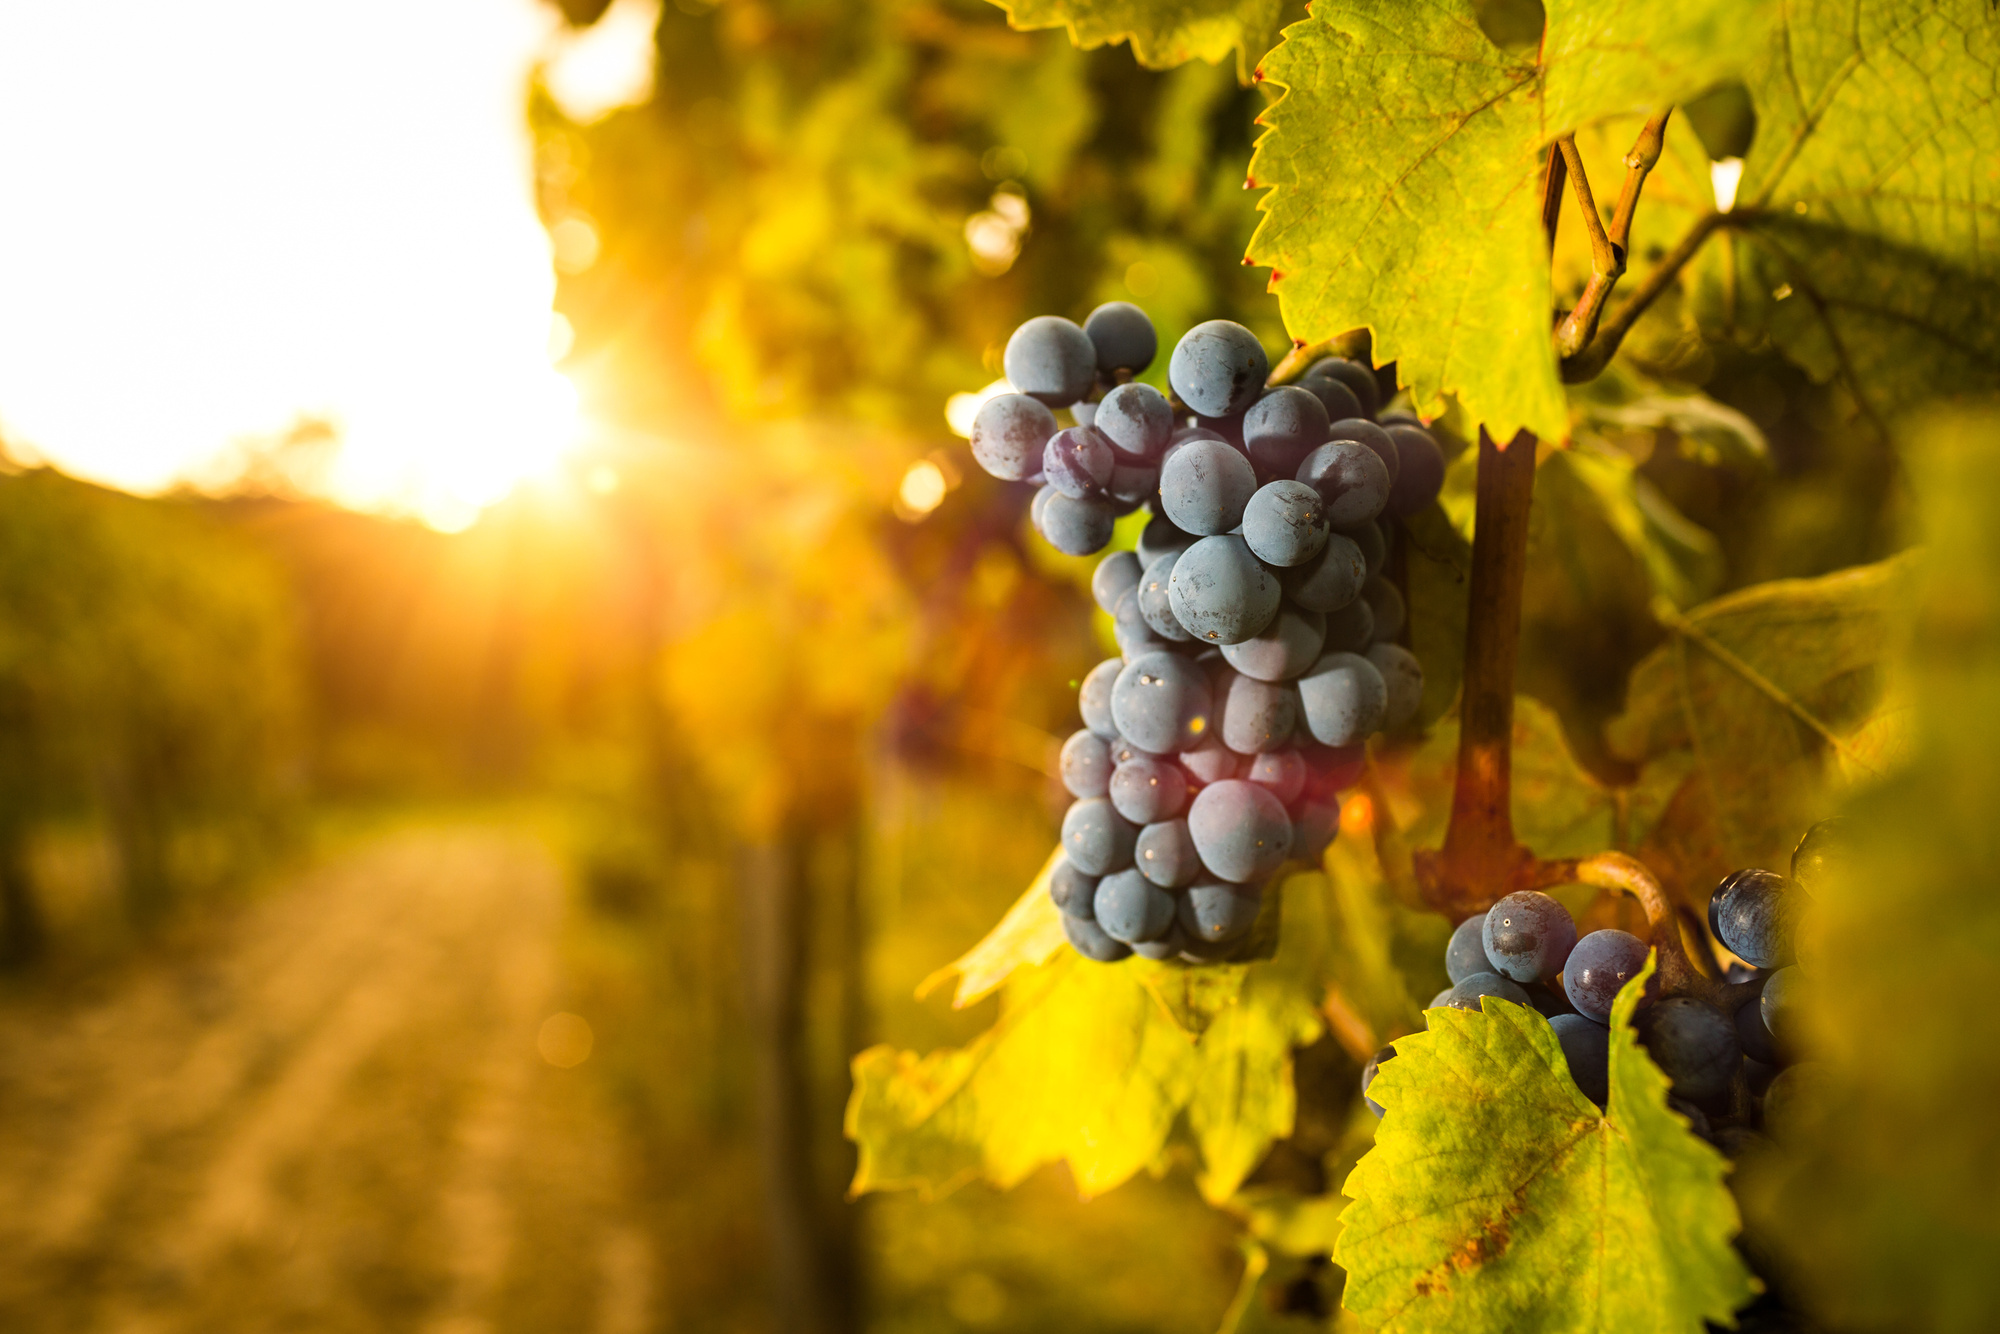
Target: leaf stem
[
  {"x": 1589, "y": 362},
  {"x": 1608, "y": 249},
  {"x": 1481, "y": 857}
]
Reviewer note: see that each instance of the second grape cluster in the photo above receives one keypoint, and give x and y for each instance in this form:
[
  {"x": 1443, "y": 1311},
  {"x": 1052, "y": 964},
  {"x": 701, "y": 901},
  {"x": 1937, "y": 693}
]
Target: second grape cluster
[{"x": 1255, "y": 627}]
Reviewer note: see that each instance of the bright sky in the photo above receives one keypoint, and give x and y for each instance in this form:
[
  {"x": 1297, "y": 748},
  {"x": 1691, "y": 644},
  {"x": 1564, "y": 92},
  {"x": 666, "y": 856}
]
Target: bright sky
[{"x": 223, "y": 216}]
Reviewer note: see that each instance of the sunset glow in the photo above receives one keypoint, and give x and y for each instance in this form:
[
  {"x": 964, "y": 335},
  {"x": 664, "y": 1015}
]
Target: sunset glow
[{"x": 322, "y": 215}]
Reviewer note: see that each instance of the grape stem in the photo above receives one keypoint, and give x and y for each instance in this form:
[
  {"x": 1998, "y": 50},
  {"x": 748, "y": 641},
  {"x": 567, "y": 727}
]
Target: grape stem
[{"x": 1608, "y": 248}]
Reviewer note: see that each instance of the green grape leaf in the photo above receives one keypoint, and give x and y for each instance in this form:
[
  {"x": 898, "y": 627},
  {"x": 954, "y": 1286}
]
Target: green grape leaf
[
  {"x": 1497, "y": 1196},
  {"x": 1163, "y": 33},
  {"x": 1092, "y": 1064},
  {"x": 1029, "y": 933},
  {"x": 1862, "y": 241},
  {"x": 1403, "y": 165},
  {"x": 1762, "y": 686},
  {"x": 1875, "y": 1195}
]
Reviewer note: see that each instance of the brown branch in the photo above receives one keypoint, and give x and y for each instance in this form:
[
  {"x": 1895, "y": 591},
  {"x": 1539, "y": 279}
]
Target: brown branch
[
  {"x": 1608, "y": 249},
  {"x": 1481, "y": 858},
  {"x": 1590, "y": 362}
]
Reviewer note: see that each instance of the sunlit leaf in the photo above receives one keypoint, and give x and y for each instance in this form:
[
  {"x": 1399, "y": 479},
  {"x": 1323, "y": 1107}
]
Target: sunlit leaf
[
  {"x": 1029, "y": 933},
  {"x": 1498, "y": 1197},
  {"x": 1404, "y": 162},
  {"x": 1163, "y": 33},
  {"x": 1862, "y": 242},
  {"x": 1091, "y": 1064},
  {"x": 1763, "y": 686}
]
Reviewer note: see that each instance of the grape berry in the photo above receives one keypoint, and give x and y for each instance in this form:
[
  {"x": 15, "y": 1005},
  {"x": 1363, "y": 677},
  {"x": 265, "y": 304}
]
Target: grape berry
[
  {"x": 1728, "y": 1069},
  {"x": 1254, "y": 625}
]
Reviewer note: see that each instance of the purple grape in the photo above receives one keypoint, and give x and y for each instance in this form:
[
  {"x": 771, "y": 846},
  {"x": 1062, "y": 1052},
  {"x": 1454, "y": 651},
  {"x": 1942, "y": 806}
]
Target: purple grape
[
  {"x": 1330, "y": 580},
  {"x": 1385, "y": 600},
  {"x": 1255, "y": 716},
  {"x": 1282, "y": 771},
  {"x": 1050, "y": 359},
  {"x": 1137, "y": 419},
  {"x": 1695, "y": 1046},
  {"x": 1132, "y": 484},
  {"x": 1529, "y": 936},
  {"x": 1282, "y": 427},
  {"x": 1204, "y": 485},
  {"x": 1599, "y": 967},
  {"x": 1155, "y": 605},
  {"x": 1374, "y": 547},
  {"x": 1466, "y": 954},
  {"x": 1343, "y": 699},
  {"x": 1113, "y": 575},
  {"x": 1240, "y": 830},
  {"x": 1779, "y": 1005},
  {"x": 1217, "y": 368},
  {"x": 1285, "y": 524},
  {"x": 1165, "y": 854},
  {"x": 1359, "y": 379},
  {"x": 1123, "y": 337},
  {"x": 1072, "y": 890},
  {"x": 1404, "y": 676},
  {"x": 1289, "y": 645},
  {"x": 1350, "y": 630},
  {"x": 1350, "y": 478},
  {"x": 1160, "y": 538},
  {"x": 1132, "y": 908},
  {"x": 1587, "y": 1049},
  {"x": 1465, "y": 994},
  {"x": 1094, "y": 699},
  {"x": 1375, "y": 438},
  {"x": 1009, "y": 433},
  {"x": 1087, "y": 938},
  {"x": 1075, "y": 527},
  {"x": 1752, "y": 913},
  {"x": 1170, "y": 946},
  {"x": 1222, "y": 593},
  {"x": 1338, "y": 400},
  {"x": 1211, "y": 761},
  {"x": 1078, "y": 461},
  {"x": 1148, "y": 790},
  {"x": 1135, "y": 635},
  {"x": 1160, "y": 703},
  {"x": 1753, "y": 1034},
  {"x": 1420, "y": 470},
  {"x": 1215, "y": 913},
  {"x": 1085, "y": 764},
  {"x": 1097, "y": 838}
]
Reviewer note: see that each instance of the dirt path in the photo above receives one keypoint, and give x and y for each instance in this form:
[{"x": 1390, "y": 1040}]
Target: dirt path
[{"x": 329, "y": 1115}]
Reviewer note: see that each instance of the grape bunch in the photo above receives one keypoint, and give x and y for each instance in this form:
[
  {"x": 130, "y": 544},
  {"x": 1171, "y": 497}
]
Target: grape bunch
[
  {"x": 1727, "y": 1064},
  {"x": 1255, "y": 628}
]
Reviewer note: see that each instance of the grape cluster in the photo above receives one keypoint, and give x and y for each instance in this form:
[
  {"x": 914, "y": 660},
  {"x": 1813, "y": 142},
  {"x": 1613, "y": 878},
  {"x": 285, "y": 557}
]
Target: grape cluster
[
  {"x": 1255, "y": 630},
  {"x": 1726, "y": 1067}
]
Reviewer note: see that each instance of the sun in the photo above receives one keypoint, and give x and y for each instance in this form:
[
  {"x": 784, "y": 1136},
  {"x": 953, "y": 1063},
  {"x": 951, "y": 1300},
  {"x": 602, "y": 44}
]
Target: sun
[{"x": 249, "y": 217}]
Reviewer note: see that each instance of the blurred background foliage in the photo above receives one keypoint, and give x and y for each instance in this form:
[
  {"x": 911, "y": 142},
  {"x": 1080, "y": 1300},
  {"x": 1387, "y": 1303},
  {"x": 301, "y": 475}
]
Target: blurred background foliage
[{"x": 780, "y": 667}]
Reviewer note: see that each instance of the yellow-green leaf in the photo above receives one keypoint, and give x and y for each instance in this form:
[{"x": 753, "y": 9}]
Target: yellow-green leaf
[
  {"x": 1091, "y": 1064},
  {"x": 1497, "y": 1196},
  {"x": 1403, "y": 163},
  {"x": 1862, "y": 241},
  {"x": 1163, "y": 33},
  {"x": 1763, "y": 686}
]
